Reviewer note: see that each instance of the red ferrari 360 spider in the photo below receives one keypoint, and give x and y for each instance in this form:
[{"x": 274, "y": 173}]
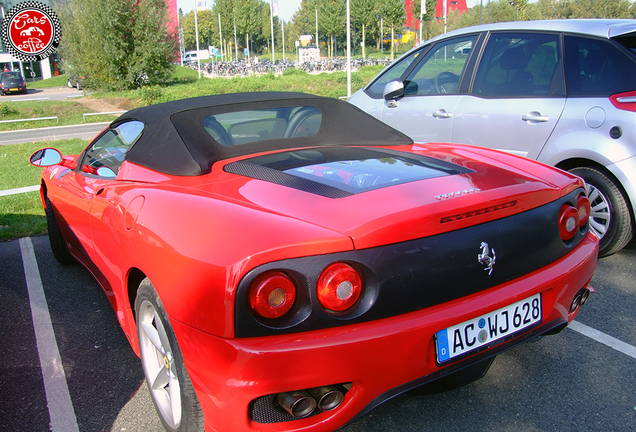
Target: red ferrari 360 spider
[{"x": 282, "y": 261}]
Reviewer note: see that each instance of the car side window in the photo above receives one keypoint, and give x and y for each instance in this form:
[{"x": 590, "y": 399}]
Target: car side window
[
  {"x": 109, "y": 150},
  {"x": 393, "y": 73},
  {"x": 597, "y": 68},
  {"x": 520, "y": 65},
  {"x": 440, "y": 70}
]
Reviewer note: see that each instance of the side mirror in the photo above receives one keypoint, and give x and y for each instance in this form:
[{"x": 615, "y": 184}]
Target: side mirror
[
  {"x": 393, "y": 90},
  {"x": 46, "y": 157},
  {"x": 104, "y": 171}
]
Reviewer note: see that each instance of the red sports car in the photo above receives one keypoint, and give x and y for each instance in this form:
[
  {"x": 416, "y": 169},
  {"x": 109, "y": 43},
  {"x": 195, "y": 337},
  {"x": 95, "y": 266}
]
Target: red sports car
[{"x": 282, "y": 261}]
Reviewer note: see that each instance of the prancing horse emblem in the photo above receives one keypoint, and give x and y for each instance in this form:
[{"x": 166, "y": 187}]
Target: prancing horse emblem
[{"x": 485, "y": 258}]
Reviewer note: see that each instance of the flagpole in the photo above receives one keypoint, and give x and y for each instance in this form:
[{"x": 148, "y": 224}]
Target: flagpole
[
  {"x": 348, "y": 50},
  {"x": 196, "y": 31},
  {"x": 271, "y": 23},
  {"x": 282, "y": 27}
]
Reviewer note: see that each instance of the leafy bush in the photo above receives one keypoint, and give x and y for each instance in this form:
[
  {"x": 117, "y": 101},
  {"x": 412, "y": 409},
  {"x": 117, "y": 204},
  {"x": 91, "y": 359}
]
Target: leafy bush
[
  {"x": 149, "y": 95},
  {"x": 356, "y": 79},
  {"x": 294, "y": 71},
  {"x": 6, "y": 109}
]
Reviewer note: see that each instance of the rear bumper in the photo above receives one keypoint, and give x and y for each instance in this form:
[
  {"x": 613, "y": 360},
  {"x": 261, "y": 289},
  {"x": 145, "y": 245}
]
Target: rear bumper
[{"x": 380, "y": 359}]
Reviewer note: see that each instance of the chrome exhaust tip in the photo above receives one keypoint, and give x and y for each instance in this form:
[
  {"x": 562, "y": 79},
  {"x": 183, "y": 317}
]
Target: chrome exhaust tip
[
  {"x": 297, "y": 403},
  {"x": 581, "y": 298},
  {"x": 327, "y": 397}
]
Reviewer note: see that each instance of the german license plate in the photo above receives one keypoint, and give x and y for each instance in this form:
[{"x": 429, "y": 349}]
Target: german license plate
[{"x": 487, "y": 329}]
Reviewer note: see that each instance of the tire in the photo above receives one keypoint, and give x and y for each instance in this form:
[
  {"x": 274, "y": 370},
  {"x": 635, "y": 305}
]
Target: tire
[
  {"x": 162, "y": 361},
  {"x": 611, "y": 219},
  {"x": 58, "y": 244}
]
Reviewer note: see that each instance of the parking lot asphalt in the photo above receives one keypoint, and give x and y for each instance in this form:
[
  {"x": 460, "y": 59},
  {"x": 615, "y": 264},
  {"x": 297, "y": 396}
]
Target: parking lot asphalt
[{"x": 566, "y": 382}]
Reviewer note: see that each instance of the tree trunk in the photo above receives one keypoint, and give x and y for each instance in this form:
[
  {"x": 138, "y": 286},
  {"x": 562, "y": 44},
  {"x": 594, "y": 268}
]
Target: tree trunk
[
  {"x": 392, "y": 43},
  {"x": 247, "y": 45},
  {"x": 364, "y": 53}
]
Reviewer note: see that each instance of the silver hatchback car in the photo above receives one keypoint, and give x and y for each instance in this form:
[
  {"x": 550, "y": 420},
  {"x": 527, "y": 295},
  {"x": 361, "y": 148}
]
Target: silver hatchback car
[{"x": 562, "y": 92}]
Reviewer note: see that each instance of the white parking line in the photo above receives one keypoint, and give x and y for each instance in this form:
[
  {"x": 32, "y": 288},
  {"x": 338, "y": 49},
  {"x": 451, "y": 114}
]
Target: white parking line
[
  {"x": 58, "y": 399},
  {"x": 603, "y": 338},
  {"x": 19, "y": 190}
]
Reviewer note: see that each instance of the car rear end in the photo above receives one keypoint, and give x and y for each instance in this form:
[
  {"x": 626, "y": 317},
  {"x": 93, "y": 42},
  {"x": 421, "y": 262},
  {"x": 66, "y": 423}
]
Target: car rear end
[
  {"x": 485, "y": 251},
  {"x": 12, "y": 82}
]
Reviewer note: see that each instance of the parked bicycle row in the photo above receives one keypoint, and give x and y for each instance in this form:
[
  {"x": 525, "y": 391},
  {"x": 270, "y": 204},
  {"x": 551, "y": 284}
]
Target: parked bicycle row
[{"x": 264, "y": 66}]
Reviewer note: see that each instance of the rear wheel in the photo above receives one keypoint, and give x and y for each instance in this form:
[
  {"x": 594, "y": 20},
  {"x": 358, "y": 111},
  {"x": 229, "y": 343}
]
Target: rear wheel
[
  {"x": 162, "y": 361},
  {"x": 610, "y": 218},
  {"x": 58, "y": 244}
]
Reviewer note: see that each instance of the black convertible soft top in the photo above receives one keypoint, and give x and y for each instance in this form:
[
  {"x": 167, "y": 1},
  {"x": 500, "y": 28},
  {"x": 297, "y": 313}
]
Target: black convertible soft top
[{"x": 175, "y": 141}]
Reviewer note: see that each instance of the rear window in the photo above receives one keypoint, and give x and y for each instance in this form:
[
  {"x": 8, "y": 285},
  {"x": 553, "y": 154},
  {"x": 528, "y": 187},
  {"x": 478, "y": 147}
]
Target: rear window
[
  {"x": 597, "y": 67},
  {"x": 336, "y": 172},
  {"x": 242, "y": 127},
  {"x": 11, "y": 75}
]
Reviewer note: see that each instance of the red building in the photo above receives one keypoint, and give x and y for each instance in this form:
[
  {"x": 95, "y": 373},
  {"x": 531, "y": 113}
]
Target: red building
[{"x": 412, "y": 22}]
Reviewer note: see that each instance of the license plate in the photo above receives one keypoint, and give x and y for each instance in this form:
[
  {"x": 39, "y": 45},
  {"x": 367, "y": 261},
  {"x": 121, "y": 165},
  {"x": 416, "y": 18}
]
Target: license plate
[
  {"x": 13, "y": 89},
  {"x": 486, "y": 330}
]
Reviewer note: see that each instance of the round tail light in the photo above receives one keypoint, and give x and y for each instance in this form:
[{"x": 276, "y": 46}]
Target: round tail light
[
  {"x": 585, "y": 209},
  {"x": 339, "y": 287},
  {"x": 272, "y": 295},
  {"x": 568, "y": 222}
]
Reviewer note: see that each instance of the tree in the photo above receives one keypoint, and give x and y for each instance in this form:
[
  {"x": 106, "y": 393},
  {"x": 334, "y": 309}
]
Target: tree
[
  {"x": 117, "y": 44},
  {"x": 416, "y": 9},
  {"x": 364, "y": 12},
  {"x": 247, "y": 19},
  {"x": 208, "y": 25},
  {"x": 331, "y": 20},
  {"x": 394, "y": 16},
  {"x": 601, "y": 9}
]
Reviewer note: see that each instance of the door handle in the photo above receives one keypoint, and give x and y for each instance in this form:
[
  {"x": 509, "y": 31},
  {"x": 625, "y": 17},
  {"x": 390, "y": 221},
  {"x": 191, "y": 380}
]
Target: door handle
[
  {"x": 441, "y": 114},
  {"x": 535, "y": 117}
]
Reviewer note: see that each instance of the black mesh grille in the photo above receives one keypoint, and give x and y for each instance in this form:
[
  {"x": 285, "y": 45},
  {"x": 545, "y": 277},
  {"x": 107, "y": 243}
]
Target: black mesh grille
[{"x": 265, "y": 409}]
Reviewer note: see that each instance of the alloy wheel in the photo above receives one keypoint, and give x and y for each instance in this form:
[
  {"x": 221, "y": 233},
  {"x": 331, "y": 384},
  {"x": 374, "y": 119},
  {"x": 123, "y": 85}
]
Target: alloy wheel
[{"x": 159, "y": 365}]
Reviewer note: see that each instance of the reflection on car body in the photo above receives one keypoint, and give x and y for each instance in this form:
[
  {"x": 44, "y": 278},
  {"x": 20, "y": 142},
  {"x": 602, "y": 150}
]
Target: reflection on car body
[{"x": 256, "y": 248}]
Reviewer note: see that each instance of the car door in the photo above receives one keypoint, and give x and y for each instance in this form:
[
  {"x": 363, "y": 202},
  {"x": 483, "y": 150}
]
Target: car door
[
  {"x": 73, "y": 200},
  {"x": 431, "y": 92},
  {"x": 96, "y": 171},
  {"x": 107, "y": 209},
  {"x": 517, "y": 96}
]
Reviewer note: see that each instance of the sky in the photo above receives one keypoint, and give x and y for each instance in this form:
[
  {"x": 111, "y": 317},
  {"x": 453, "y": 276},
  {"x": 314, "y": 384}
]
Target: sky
[{"x": 287, "y": 7}]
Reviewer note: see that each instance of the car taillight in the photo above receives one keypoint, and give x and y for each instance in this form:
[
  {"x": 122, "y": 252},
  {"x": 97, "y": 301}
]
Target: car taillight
[
  {"x": 568, "y": 222},
  {"x": 585, "y": 209},
  {"x": 624, "y": 101},
  {"x": 339, "y": 287},
  {"x": 272, "y": 294}
]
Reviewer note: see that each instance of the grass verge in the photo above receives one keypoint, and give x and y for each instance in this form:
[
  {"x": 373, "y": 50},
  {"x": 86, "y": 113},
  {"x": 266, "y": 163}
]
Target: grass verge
[
  {"x": 22, "y": 214},
  {"x": 68, "y": 113}
]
